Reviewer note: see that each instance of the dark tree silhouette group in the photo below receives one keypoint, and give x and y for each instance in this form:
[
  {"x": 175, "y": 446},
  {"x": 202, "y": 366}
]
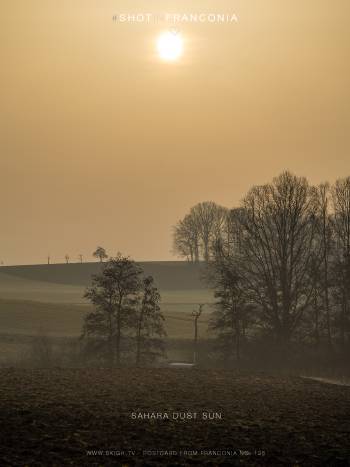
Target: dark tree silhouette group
[{"x": 279, "y": 263}]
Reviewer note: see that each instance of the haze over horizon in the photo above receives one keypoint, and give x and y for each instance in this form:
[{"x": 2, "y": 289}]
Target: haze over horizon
[{"x": 104, "y": 144}]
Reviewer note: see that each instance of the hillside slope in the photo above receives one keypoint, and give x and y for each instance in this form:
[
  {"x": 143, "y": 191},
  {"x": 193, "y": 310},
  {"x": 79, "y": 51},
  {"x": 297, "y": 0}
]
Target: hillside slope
[{"x": 169, "y": 275}]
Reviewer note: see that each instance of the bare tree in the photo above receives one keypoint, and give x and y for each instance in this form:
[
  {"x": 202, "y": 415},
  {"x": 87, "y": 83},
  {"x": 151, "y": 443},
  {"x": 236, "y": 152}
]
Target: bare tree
[
  {"x": 278, "y": 223},
  {"x": 341, "y": 225},
  {"x": 66, "y": 258},
  {"x": 231, "y": 311},
  {"x": 197, "y": 233},
  {"x": 186, "y": 239},
  {"x": 322, "y": 193},
  {"x": 80, "y": 257},
  {"x": 210, "y": 219}
]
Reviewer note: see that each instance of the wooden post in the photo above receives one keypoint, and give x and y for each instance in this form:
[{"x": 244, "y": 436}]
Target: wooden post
[{"x": 196, "y": 315}]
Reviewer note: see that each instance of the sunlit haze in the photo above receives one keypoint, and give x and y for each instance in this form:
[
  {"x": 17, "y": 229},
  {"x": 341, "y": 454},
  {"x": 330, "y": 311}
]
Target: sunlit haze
[
  {"x": 105, "y": 143},
  {"x": 170, "y": 46}
]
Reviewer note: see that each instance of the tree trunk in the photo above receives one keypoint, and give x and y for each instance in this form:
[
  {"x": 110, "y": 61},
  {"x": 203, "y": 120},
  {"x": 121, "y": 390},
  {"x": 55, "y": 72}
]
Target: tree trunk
[
  {"x": 118, "y": 333},
  {"x": 326, "y": 292},
  {"x": 138, "y": 339},
  {"x": 195, "y": 340},
  {"x": 238, "y": 341},
  {"x": 196, "y": 251},
  {"x": 206, "y": 250},
  {"x": 342, "y": 321},
  {"x": 316, "y": 311},
  {"x": 138, "y": 344},
  {"x": 110, "y": 342},
  {"x": 117, "y": 347}
]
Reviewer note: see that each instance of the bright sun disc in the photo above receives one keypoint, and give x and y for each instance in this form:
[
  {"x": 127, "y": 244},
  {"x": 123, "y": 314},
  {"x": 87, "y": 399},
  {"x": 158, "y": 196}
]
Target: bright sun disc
[{"x": 170, "y": 45}]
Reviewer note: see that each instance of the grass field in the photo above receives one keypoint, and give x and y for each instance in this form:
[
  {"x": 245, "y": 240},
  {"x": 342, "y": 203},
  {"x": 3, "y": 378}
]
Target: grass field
[
  {"x": 49, "y": 298},
  {"x": 65, "y": 320},
  {"x": 168, "y": 275},
  {"x": 48, "y": 301},
  {"x": 21, "y": 320},
  {"x": 84, "y": 417}
]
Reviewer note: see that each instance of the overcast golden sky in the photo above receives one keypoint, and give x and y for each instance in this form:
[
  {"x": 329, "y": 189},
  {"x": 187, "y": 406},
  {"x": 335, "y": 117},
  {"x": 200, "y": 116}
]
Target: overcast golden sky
[{"x": 103, "y": 143}]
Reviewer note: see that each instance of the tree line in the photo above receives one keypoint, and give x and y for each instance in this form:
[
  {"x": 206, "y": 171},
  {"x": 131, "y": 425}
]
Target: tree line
[
  {"x": 100, "y": 254},
  {"x": 279, "y": 262},
  {"x": 279, "y": 265}
]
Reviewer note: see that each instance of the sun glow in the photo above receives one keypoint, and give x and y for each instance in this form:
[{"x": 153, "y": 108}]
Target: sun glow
[{"x": 170, "y": 46}]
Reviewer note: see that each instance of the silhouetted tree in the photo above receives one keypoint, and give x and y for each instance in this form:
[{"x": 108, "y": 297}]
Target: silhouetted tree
[
  {"x": 149, "y": 324},
  {"x": 186, "y": 239},
  {"x": 195, "y": 235},
  {"x": 100, "y": 253},
  {"x": 114, "y": 294},
  {"x": 210, "y": 218},
  {"x": 341, "y": 225},
  {"x": 325, "y": 235},
  {"x": 279, "y": 228},
  {"x": 66, "y": 258},
  {"x": 231, "y": 313}
]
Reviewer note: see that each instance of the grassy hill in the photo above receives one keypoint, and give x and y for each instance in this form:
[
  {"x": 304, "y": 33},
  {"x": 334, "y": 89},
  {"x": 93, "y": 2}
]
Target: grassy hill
[
  {"x": 48, "y": 299},
  {"x": 22, "y": 317},
  {"x": 169, "y": 275}
]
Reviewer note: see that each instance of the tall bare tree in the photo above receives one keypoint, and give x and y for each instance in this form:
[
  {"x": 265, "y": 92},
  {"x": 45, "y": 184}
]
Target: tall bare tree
[
  {"x": 186, "y": 239},
  {"x": 196, "y": 235},
  {"x": 210, "y": 219},
  {"x": 228, "y": 319},
  {"x": 341, "y": 224},
  {"x": 278, "y": 223},
  {"x": 325, "y": 233}
]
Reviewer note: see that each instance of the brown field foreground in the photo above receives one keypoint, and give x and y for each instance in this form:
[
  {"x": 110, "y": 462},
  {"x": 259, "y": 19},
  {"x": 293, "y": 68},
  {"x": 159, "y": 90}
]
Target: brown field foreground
[{"x": 61, "y": 417}]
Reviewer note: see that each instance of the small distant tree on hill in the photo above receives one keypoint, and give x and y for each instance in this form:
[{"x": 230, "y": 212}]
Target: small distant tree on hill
[
  {"x": 100, "y": 253},
  {"x": 67, "y": 259}
]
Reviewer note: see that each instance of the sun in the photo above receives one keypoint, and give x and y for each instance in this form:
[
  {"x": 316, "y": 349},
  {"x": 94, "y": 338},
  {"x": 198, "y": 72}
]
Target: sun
[{"x": 170, "y": 46}]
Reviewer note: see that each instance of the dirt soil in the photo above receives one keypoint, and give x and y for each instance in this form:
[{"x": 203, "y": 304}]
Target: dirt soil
[{"x": 60, "y": 417}]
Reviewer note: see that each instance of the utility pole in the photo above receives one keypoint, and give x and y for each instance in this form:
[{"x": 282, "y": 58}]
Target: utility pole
[{"x": 196, "y": 314}]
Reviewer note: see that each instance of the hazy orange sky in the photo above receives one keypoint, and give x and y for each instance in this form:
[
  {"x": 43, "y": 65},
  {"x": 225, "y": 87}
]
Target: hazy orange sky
[{"x": 103, "y": 143}]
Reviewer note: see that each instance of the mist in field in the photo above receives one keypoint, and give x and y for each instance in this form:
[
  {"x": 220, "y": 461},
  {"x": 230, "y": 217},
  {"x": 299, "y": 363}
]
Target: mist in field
[
  {"x": 175, "y": 234},
  {"x": 261, "y": 287}
]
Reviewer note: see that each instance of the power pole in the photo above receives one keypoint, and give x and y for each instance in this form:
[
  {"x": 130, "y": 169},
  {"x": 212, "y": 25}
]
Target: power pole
[{"x": 196, "y": 315}]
